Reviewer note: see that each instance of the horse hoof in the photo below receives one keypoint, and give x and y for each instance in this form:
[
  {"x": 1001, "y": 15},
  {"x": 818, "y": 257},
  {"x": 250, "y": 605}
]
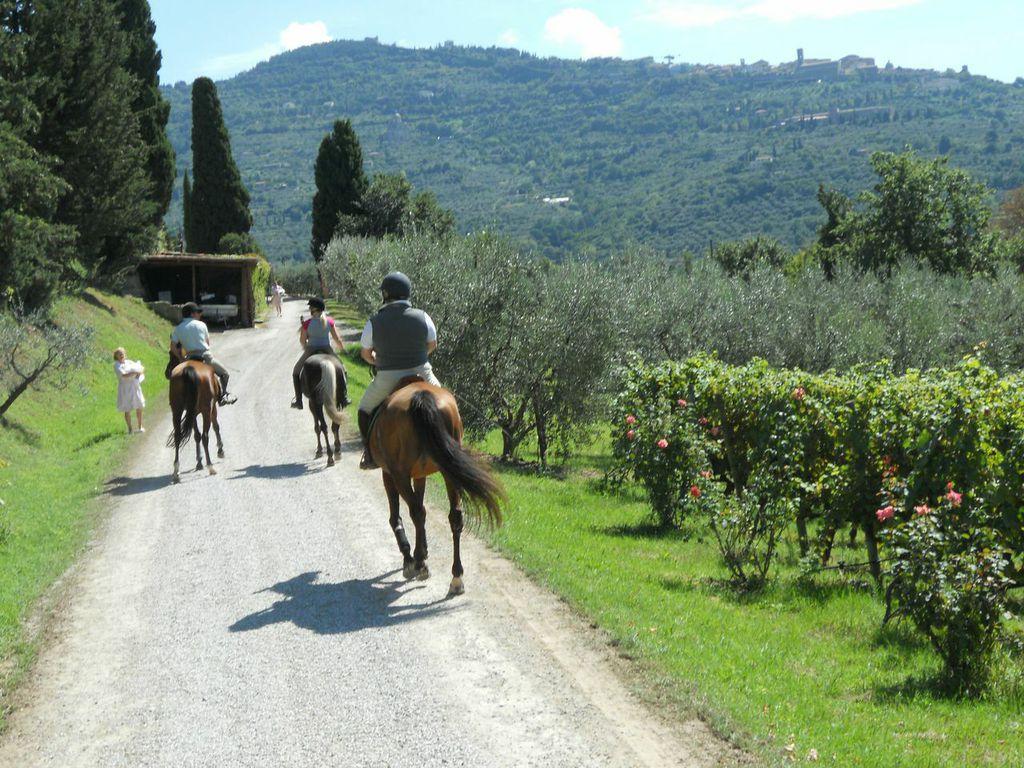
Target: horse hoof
[
  {"x": 423, "y": 573},
  {"x": 211, "y": 470},
  {"x": 330, "y": 460},
  {"x": 409, "y": 570},
  {"x": 199, "y": 467},
  {"x": 457, "y": 587},
  {"x": 318, "y": 453},
  {"x": 175, "y": 479},
  {"x": 220, "y": 454}
]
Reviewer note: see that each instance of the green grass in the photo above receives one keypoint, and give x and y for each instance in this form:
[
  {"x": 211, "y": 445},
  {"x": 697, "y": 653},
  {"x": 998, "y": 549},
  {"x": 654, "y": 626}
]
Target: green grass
[
  {"x": 802, "y": 664},
  {"x": 56, "y": 450}
]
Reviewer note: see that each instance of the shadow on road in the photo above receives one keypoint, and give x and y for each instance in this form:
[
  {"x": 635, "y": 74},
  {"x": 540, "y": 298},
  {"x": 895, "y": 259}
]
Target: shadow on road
[
  {"x": 274, "y": 471},
  {"x": 348, "y": 606},
  {"x": 129, "y": 486}
]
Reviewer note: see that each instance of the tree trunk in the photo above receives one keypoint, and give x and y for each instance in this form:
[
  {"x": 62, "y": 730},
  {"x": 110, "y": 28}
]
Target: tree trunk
[{"x": 19, "y": 390}]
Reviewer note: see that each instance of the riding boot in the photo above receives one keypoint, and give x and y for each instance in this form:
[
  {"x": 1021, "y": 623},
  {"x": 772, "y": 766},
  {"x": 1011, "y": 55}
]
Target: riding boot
[
  {"x": 225, "y": 398},
  {"x": 297, "y": 402},
  {"x": 367, "y": 461}
]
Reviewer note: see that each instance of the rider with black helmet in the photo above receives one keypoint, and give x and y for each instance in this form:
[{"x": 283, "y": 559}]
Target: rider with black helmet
[
  {"x": 398, "y": 340},
  {"x": 315, "y": 337},
  {"x": 193, "y": 337}
]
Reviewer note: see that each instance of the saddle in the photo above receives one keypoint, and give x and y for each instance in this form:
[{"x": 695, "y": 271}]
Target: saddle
[{"x": 402, "y": 384}]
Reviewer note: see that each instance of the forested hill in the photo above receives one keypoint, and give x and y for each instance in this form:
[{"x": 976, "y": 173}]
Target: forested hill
[{"x": 671, "y": 157}]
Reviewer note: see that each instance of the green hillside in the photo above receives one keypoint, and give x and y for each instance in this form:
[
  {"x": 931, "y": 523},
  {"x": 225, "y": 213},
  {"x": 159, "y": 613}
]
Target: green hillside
[
  {"x": 671, "y": 157},
  {"x": 56, "y": 450}
]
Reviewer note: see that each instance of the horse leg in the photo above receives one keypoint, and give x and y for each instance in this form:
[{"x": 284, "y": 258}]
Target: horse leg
[
  {"x": 316, "y": 427},
  {"x": 197, "y": 436},
  {"x": 391, "y": 489},
  {"x": 419, "y": 518},
  {"x": 206, "y": 444},
  {"x": 216, "y": 431},
  {"x": 176, "y": 415},
  {"x": 455, "y": 520},
  {"x": 337, "y": 440},
  {"x": 323, "y": 431}
]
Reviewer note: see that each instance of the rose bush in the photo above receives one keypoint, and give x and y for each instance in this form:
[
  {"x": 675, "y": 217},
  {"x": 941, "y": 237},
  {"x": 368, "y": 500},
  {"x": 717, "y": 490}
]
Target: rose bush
[{"x": 756, "y": 448}]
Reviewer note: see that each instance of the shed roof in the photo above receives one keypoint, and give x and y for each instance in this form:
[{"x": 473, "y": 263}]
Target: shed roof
[{"x": 208, "y": 259}]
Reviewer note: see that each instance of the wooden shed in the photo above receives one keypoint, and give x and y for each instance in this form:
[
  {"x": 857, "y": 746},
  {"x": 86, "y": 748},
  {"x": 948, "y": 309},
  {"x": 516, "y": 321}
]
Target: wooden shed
[{"x": 220, "y": 284}]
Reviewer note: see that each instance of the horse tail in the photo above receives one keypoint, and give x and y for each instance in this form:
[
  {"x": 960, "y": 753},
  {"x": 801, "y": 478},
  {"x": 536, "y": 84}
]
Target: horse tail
[
  {"x": 327, "y": 390},
  {"x": 190, "y": 381},
  {"x": 475, "y": 482}
]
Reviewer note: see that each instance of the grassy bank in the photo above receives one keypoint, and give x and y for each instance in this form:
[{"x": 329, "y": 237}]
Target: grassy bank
[
  {"x": 795, "y": 672},
  {"x": 56, "y": 450}
]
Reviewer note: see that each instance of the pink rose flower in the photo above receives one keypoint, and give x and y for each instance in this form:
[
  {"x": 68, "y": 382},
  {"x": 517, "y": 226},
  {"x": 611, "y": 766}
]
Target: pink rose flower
[
  {"x": 681, "y": 403},
  {"x": 922, "y": 509},
  {"x": 631, "y": 419},
  {"x": 663, "y": 443},
  {"x": 954, "y": 498},
  {"x": 885, "y": 513},
  {"x": 630, "y": 434},
  {"x": 798, "y": 393},
  {"x": 695, "y": 491},
  {"x": 702, "y": 421},
  {"x": 706, "y": 474}
]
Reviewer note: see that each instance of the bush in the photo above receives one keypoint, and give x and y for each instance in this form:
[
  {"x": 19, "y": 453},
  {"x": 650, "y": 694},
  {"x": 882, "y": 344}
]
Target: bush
[
  {"x": 239, "y": 242},
  {"x": 835, "y": 447},
  {"x": 299, "y": 278},
  {"x": 260, "y": 279},
  {"x": 952, "y": 584}
]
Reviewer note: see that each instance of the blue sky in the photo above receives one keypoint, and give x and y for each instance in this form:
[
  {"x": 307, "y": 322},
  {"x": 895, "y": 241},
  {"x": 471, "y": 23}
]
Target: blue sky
[{"x": 219, "y": 38}]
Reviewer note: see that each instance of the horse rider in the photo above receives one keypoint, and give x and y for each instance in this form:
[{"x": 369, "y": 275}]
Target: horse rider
[
  {"x": 315, "y": 337},
  {"x": 398, "y": 340},
  {"x": 193, "y": 337}
]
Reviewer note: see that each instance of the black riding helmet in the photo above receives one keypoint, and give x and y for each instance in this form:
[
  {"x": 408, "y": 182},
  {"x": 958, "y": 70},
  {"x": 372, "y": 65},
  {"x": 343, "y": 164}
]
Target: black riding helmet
[
  {"x": 317, "y": 303},
  {"x": 396, "y": 286}
]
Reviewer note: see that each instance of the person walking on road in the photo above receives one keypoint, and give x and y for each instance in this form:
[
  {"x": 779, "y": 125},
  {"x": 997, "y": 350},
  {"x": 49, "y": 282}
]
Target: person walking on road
[
  {"x": 315, "y": 336},
  {"x": 276, "y": 297},
  {"x": 398, "y": 340},
  {"x": 192, "y": 335},
  {"x": 130, "y": 375}
]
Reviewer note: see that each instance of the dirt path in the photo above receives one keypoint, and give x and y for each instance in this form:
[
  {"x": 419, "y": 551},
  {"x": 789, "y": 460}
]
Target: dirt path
[{"x": 258, "y": 618}]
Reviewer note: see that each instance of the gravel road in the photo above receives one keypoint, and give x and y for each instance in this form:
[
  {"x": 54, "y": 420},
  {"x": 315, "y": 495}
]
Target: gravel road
[{"x": 259, "y": 618}]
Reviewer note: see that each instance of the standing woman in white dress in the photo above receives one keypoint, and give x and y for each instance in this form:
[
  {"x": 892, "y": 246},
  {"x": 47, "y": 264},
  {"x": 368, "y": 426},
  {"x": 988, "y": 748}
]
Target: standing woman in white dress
[{"x": 130, "y": 375}]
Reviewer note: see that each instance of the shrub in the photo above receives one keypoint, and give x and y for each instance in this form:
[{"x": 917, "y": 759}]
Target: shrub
[
  {"x": 299, "y": 278},
  {"x": 951, "y": 582}
]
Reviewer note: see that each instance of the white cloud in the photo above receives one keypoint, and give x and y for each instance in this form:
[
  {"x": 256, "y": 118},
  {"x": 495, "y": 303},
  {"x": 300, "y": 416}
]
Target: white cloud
[
  {"x": 686, "y": 14},
  {"x": 295, "y": 35},
  {"x": 583, "y": 29},
  {"x": 509, "y": 38}
]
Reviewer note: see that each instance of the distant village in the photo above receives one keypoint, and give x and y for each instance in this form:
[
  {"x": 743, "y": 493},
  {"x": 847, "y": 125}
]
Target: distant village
[{"x": 802, "y": 69}]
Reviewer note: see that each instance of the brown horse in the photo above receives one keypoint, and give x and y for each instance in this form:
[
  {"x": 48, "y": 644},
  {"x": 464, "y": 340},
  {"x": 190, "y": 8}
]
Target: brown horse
[
  {"x": 325, "y": 385},
  {"x": 194, "y": 391},
  {"x": 419, "y": 432}
]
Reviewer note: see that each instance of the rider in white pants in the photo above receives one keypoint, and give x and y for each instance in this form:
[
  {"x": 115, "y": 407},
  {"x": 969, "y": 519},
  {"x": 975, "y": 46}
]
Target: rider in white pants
[{"x": 398, "y": 340}]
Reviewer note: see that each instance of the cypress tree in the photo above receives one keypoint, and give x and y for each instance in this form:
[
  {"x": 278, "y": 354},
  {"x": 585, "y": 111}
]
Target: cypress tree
[
  {"x": 83, "y": 95},
  {"x": 219, "y": 204},
  {"x": 150, "y": 107},
  {"x": 186, "y": 209},
  {"x": 340, "y": 184}
]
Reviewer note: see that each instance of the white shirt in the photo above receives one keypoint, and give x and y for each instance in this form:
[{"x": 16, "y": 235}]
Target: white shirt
[{"x": 366, "y": 340}]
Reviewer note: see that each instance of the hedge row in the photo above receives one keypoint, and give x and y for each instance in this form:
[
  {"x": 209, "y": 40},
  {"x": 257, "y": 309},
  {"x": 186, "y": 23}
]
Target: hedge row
[{"x": 929, "y": 465}]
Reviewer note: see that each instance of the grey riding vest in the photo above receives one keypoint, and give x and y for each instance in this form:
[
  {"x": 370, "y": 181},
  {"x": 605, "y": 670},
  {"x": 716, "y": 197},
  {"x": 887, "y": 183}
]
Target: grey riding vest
[{"x": 399, "y": 336}]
